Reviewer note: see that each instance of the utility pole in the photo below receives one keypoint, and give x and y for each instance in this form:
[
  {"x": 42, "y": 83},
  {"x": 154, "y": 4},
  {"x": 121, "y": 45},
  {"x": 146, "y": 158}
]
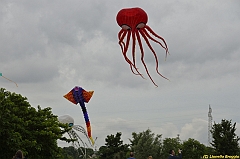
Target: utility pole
[{"x": 209, "y": 123}]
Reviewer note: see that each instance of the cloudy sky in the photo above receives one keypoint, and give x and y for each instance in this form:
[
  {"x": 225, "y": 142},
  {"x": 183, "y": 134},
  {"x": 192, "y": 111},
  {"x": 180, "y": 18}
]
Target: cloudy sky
[{"x": 48, "y": 47}]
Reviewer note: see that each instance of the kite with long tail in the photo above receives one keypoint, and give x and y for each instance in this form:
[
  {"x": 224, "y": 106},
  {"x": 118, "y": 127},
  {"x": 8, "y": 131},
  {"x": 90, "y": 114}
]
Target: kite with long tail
[
  {"x": 79, "y": 95},
  {"x": 8, "y": 79}
]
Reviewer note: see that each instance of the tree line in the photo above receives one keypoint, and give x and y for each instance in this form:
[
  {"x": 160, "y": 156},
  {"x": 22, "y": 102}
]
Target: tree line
[
  {"x": 146, "y": 143},
  {"x": 36, "y": 131}
]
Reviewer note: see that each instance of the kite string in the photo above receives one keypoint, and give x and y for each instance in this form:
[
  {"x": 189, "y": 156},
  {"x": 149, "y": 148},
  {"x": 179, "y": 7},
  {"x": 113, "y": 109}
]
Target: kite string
[{"x": 10, "y": 80}]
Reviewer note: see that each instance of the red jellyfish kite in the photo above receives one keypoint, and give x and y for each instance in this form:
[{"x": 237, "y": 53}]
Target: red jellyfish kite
[{"x": 133, "y": 22}]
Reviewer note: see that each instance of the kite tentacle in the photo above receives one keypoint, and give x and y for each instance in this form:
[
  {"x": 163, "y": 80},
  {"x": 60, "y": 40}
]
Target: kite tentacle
[
  {"x": 154, "y": 53},
  {"x": 73, "y": 135},
  {"x": 120, "y": 33},
  {"x": 121, "y": 36},
  {"x": 127, "y": 59},
  {"x": 126, "y": 48},
  {"x": 133, "y": 54},
  {"x": 82, "y": 130},
  {"x": 133, "y": 46},
  {"x": 156, "y": 35},
  {"x": 151, "y": 38},
  {"x": 142, "y": 58}
]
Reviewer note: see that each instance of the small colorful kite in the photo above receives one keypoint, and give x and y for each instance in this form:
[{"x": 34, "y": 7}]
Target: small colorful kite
[
  {"x": 79, "y": 95},
  {"x": 8, "y": 79},
  {"x": 133, "y": 22}
]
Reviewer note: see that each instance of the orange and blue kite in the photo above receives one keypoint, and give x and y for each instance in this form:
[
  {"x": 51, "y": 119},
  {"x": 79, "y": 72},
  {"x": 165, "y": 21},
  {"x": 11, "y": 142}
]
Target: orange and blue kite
[{"x": 81, "y": 96}]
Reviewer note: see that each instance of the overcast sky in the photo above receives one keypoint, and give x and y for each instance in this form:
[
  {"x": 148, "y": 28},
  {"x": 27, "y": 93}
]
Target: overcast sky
[{"x": 48, "y": 47}]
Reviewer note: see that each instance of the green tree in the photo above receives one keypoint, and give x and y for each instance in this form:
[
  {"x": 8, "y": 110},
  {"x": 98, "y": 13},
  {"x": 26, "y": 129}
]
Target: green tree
[
  {"x": 193, "y": 149},
  {"x": 70, "y": 153},
  {"x": 209, "y": 150},
  {"x": 169, "y": 144},
  {"x": 225, "y": 140},
  {"x": 146, "y": 144},
  {"x": 89, "y": 152},
  {"x": 102, "y": 152},
  {"x": 73, "y": 153},
  {"x": 114, "y": 147},
  {"x": 23, "y": 127}
]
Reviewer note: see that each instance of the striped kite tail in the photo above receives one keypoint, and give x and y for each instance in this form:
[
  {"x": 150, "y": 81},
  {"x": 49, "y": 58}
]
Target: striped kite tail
[{"x": 85, "y": 114}]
